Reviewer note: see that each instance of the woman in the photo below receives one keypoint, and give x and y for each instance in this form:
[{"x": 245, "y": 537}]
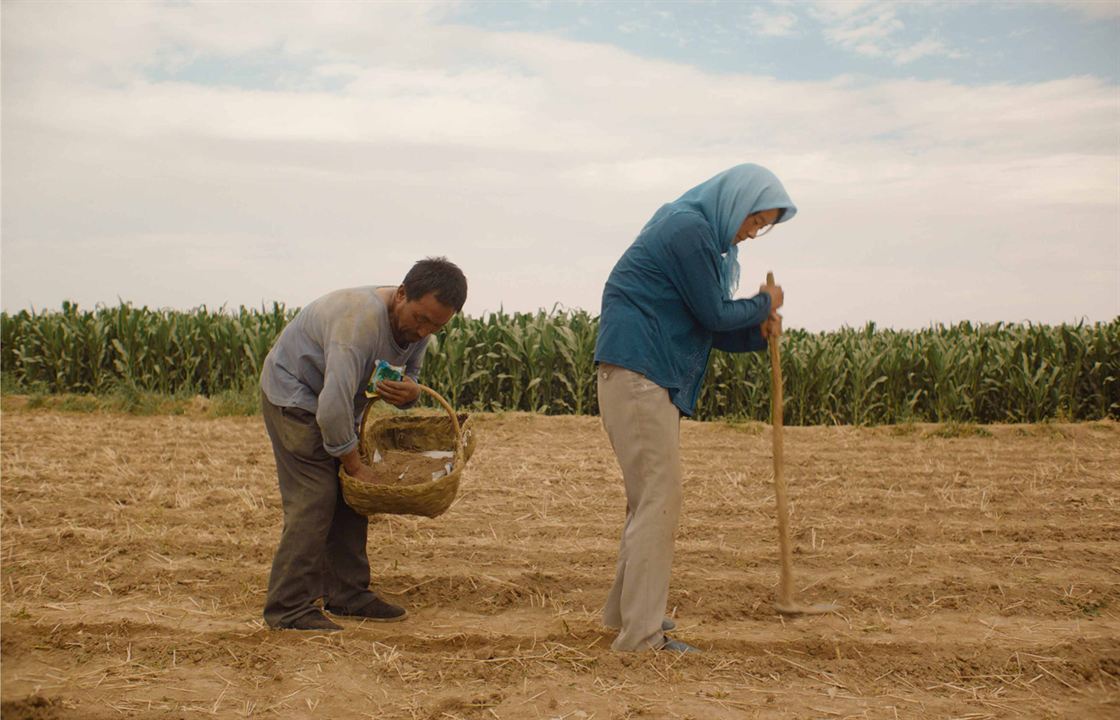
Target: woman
[{"x": 666, "y": 304}]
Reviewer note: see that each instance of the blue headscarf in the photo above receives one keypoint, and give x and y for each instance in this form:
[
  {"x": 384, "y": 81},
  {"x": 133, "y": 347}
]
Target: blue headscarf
[{"x": 727, "y": 199}]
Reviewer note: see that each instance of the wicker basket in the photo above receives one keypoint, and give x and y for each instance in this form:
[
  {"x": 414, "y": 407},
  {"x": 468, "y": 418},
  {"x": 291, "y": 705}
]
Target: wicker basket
[{"x": 410, "y": 433}]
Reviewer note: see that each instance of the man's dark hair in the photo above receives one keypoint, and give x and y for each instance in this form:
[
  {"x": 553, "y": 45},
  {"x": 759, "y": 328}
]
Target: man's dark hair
[{"x": 440, "y": 276}]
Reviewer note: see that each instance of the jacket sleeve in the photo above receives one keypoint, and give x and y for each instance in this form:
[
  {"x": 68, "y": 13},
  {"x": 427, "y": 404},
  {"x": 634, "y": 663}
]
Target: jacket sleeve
[
  {"x": 739, "y": 341},
  {"x": 690, "y": 259},
  {"x": 336, "y": 401}
]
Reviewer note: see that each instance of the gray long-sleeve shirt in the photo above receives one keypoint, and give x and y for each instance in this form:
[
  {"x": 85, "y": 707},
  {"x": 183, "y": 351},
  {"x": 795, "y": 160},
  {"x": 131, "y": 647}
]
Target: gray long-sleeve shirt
[{"x": 325, "y": 356}]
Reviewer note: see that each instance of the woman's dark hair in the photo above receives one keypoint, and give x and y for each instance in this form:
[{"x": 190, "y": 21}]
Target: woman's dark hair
[{"x": 440, "y": 276}]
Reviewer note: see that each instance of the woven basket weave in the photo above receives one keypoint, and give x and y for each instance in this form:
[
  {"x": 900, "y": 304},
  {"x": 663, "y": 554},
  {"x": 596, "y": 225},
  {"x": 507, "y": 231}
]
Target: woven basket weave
[{"x": 410, "y": 433}]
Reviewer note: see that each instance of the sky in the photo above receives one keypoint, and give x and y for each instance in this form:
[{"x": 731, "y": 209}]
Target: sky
[{"x": 950, "y": 161}]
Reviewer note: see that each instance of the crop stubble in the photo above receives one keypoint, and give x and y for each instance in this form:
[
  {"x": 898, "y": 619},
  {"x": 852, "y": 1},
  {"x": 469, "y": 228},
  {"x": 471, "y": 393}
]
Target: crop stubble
[{"x": 978, "y": 577}]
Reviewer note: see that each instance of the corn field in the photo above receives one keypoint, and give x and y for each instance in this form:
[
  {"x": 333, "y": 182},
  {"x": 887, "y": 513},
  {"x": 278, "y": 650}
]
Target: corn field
[
  {"x": 542, "y": 362},
  {"x": 165, "y": 351}
]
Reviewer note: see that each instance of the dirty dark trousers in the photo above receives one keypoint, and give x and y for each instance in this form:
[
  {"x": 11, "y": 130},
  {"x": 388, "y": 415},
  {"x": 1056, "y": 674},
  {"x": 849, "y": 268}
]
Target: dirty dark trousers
[{"x": 322, "y": 550}]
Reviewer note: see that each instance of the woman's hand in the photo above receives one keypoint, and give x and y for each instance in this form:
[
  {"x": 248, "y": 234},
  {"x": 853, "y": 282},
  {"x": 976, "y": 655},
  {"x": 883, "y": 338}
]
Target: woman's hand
[
  {"x": 398, "y": 393},
  {"x": 772, "y": 326},
  {"x": 777, "y": 297}
]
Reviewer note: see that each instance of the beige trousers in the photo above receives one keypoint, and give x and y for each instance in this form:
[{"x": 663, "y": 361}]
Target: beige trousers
[{"x": 643, "y": 425}]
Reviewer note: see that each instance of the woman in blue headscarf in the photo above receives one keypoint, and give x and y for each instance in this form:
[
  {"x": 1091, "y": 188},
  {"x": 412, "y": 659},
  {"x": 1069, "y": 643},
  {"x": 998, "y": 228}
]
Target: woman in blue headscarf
[{"x": 667, "y": 303}]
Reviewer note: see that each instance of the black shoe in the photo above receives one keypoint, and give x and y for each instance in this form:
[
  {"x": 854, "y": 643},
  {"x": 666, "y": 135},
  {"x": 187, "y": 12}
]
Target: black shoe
[
  {"x": 376, "y": 610},
  {"x": 312, "y": 621}
]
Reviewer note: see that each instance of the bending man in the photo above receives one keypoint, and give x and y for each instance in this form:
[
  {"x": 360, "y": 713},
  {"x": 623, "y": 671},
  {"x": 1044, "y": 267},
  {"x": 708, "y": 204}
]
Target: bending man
[{"x": 312, "y": 393}]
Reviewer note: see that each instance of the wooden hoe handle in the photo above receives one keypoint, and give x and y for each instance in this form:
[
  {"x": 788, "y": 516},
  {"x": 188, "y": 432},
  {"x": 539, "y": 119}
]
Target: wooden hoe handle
[{"x": 785, "y": 595}]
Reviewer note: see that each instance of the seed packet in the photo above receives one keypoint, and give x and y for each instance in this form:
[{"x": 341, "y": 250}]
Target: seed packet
[{"x": 382, "y": 371}]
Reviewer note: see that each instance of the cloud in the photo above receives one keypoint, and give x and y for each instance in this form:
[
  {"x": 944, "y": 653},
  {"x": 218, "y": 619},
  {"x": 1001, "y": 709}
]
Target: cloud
[
  {"x": 874, "y": 30},
  {"x": 1096, "y": 9},
  {"x": 772, "y": 23},
  {"x": 924, "y": 48},
  {"x": 864, "y": 29},
  {"x": 530, "y": 160}
]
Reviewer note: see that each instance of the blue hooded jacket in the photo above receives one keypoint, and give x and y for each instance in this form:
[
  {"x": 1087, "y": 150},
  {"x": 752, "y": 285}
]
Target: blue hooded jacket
[{"x": 668, "y": 300}]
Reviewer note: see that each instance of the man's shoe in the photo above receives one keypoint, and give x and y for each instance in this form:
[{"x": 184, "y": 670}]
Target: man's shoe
[
  {"x": 678, "y": 646},
  {"x": 312, "y": 621},
  {"x": 376, "y": 610}
]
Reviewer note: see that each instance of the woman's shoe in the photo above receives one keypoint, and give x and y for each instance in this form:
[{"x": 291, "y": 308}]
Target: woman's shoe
[
  {"x": 666, "y": 625},
  {"x": 678, "y": 646}
]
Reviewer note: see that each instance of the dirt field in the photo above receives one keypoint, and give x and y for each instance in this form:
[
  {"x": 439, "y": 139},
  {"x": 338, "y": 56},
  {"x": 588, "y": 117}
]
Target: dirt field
[{"x": 979, "y": 578}]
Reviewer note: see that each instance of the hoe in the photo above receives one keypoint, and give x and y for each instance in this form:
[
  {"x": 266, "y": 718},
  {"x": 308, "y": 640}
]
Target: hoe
[{"x": 786, "y": 604}]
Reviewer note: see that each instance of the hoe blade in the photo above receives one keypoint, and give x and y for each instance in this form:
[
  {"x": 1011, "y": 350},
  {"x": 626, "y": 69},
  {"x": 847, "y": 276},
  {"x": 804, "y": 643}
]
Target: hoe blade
[{"x": 796, "y": 609}]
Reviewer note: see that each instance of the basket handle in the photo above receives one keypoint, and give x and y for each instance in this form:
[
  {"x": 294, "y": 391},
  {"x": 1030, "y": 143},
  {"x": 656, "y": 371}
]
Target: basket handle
[{"x": 439, "y": 398}]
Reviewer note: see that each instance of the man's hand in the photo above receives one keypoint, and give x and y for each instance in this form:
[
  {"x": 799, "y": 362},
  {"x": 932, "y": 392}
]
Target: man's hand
[
  {"x": 399, "y": 393},
  {"x": 772, "y": 326},
  {"x": 777, "y": 297},
  {"x": 355, "y": 468},
  {"x": 366, "y": 474}
]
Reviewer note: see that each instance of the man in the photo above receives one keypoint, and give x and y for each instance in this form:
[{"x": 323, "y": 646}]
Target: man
[{"x": 312, "y": 393}]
